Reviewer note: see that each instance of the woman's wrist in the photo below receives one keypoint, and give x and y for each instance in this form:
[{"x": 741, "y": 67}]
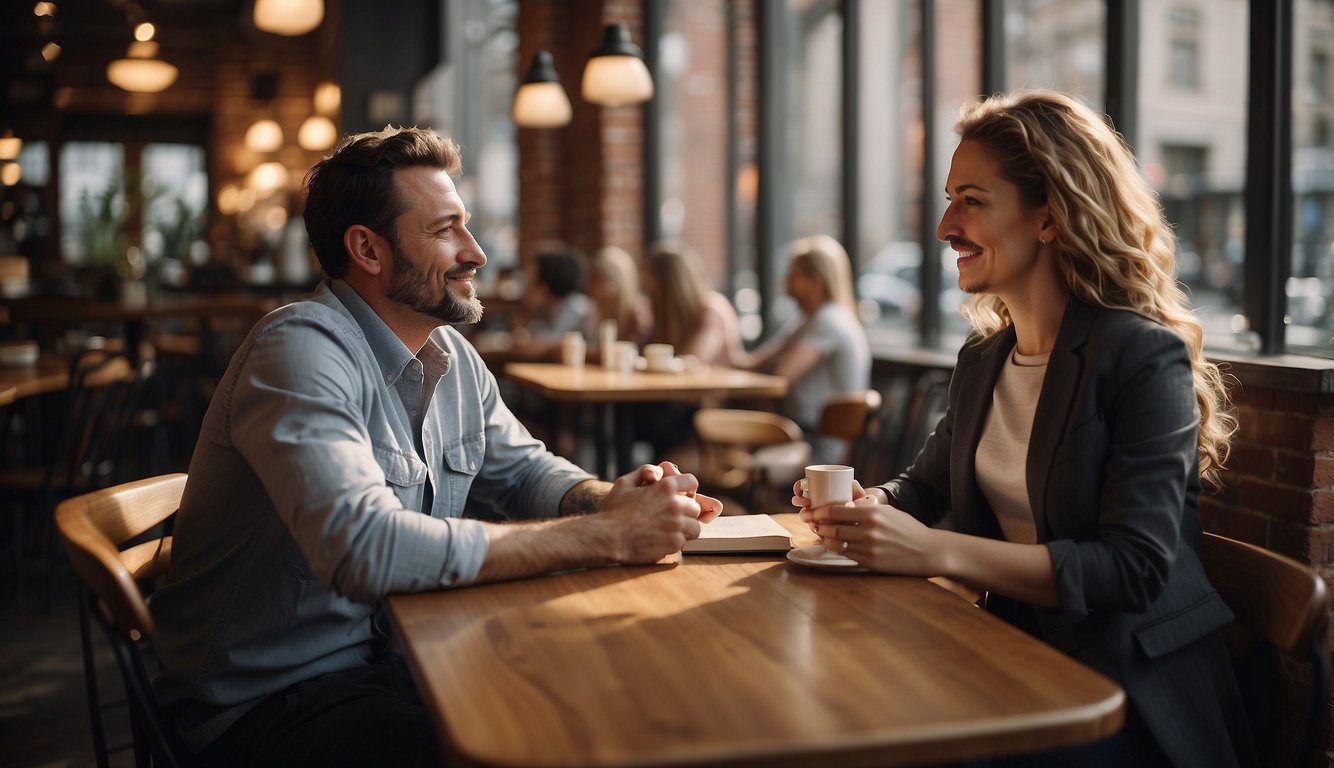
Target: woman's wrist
[{"x": 880, "y": 495}]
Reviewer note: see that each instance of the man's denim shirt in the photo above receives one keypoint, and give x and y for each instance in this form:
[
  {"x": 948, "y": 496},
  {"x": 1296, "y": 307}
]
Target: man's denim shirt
[{"x": 302, "y": 506}]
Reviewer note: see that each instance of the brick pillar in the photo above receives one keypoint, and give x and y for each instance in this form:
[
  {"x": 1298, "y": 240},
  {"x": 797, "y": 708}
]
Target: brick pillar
[
  {"x": 1279, "y": 490},
  {"x": 581, "y": 183}
]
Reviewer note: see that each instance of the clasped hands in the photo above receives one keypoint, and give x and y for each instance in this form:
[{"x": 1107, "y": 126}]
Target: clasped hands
[{"x": 661, "y": 509}]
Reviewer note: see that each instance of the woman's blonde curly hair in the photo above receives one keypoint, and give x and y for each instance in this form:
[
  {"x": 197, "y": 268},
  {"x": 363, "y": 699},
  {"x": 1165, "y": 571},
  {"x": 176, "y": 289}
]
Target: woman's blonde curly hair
[{"x": 1113, "y": 246}]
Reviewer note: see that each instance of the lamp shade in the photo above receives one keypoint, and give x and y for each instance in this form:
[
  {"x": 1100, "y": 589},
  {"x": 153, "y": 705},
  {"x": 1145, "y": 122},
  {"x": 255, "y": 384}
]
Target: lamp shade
[
  {"x": 616, "y": 74},
  {"x": 10, "y": 145},
  {"x": 317, "y": 133},
  {"x": 140, "y": 71},
  {"x": 540, "y": 101},
  {"x": 264, "y": 136},
  {"x": 288, "y": 17}
]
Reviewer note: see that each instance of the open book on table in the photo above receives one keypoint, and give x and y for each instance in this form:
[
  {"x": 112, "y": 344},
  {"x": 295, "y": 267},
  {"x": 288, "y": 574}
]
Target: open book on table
[{"x": 740, "y": 533}]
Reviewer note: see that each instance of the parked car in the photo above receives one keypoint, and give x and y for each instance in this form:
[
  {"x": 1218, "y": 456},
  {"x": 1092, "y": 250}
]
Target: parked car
[{"x": 891, "y": 281}]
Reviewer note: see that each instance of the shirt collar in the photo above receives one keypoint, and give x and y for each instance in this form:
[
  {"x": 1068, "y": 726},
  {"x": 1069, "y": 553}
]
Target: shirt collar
[{"x": 391, "y": 354}]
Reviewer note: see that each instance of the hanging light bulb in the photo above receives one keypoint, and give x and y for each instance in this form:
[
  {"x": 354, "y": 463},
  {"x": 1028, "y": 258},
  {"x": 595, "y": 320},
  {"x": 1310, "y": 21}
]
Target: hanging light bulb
[
  {"x": 264, "y": 135},
  {"x": 267, "y": 177},
  {"x": 615, "y": 74},
  {"x": 10, "y": 173},
  {"x": 328, "y": 96},
  {"x": 288, "y": 17},
  {"x": 540, "y": 101},
  {"x": 10, "y": 145},
  {"x": 140, "y": 71},
  {"x": 317, "y": 133}
]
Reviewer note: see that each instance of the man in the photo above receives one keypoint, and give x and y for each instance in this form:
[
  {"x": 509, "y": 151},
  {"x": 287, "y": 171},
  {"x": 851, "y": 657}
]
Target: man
[
  {"x": 554, "y": 302},
  {"x": 333, "y": 468}
]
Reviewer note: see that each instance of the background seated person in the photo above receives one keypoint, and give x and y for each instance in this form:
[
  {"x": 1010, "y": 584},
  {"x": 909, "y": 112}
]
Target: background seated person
[
  {"x": 553, "y": 303},
  {"x": 333, "y": 468},
  {"x": 822, "y": 350}
]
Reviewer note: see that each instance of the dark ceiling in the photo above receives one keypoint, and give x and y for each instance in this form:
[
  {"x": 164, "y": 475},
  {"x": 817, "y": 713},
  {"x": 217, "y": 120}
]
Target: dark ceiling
[{"x": 195, "y": 35}]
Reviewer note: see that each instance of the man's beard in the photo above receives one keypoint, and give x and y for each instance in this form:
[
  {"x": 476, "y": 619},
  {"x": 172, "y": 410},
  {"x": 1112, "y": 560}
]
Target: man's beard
[{"x": 412, "y": 288}]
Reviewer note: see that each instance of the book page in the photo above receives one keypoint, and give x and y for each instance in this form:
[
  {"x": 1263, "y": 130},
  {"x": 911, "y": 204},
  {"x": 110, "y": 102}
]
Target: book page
[{"x": 741, "y": 533}]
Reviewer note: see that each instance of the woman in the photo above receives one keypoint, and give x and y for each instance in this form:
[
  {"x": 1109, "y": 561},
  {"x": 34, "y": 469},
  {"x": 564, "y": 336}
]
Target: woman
[
  {"x": 687, "y": 312},
  {"x": 1065, "y": 475},
  {"x": 822, "y": 352},
  {"x": 613, "y": 284},
  {"x": 697, "y": 321}
]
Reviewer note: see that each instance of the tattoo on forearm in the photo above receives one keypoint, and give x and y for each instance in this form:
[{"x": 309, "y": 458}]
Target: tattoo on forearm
[{"x": 584, "y": 498}]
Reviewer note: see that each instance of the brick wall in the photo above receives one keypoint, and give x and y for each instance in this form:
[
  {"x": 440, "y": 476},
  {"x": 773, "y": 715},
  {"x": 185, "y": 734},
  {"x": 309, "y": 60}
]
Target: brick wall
[
  {"x": 582, "y": 183},
  {"x": 1279, "y": 484}
]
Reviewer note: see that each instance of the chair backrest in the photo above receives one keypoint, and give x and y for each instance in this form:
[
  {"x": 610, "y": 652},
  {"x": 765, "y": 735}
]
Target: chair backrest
[
  {"x": 103, "y": 397},
  {"x": 929, "y": 399},
  {"x": 851, "y": 418},
  {"x": 93, "y": 527},
  {"x": 1284, "y": 603},
  {"x": 729, "y": 436}
]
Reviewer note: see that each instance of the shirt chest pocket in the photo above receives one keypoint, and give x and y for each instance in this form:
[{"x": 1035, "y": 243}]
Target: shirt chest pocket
[
  {"x": 463, "y": 460},
  {"x": 405, "y": 473}
]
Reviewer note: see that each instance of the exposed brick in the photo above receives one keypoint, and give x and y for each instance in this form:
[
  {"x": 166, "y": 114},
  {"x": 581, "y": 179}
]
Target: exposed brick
[
  {"x": 1252, "y": 459},
  {"x": 1288, "y": 402},
  {"x": 1255, "y": 397},
  {"x": 1280, "y": 503},
  {"x": 1235, "y": 523},
  {"x": 1284, "y": 430},
  {"x": 1313, "y": 546},
  {"x": 1322, "y": 434},
  {"x": 1322, "y": 507},
  {"x": 1296, "y": 469},
  {"x": 1322, "y": 405}
]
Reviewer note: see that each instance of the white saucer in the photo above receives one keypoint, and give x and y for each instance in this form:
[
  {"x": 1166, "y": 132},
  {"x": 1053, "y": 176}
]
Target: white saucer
[{"x": 816, "y": 556}]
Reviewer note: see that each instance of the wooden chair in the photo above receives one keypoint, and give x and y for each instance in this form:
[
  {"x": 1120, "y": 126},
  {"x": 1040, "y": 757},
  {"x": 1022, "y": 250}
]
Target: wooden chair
[
  {"x": 94, "y": 527},
  {"x": 853, "y": 419},
  {"x": 85, "y": 452},
  {"x": 1281, "y": 606},
  {"x": 728, "y": 438}
]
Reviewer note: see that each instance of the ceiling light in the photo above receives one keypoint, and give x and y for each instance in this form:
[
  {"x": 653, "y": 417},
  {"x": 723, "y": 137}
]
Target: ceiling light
[
  {"x": 264, "y": 135},
  {"x": 267, "y": 177},
  {"x": 615, "y": 74},
  {"x": 540, "y": 101},
  {"x": 288, "y": 17},
  {"x": 328, "y": 96},
  {"x": 144, "y": 31},
  {"x": 317, "y": 133},
  {"x": 10, "y": 173},
  {"x": 140, "y": 71},
  {"x": 10, "y": 146}
]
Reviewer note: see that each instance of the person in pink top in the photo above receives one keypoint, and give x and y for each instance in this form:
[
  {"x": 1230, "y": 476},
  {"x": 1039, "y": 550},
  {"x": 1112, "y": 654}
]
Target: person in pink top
[{"x": 698, "y": 322}]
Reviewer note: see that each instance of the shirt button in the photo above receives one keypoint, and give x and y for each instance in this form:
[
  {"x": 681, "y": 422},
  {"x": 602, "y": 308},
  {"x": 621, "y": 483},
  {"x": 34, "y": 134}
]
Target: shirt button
[
  {"x": 388, "y": 378},
  {"x": 472, "y": 467},
  {"x": 412, "y": 413}
]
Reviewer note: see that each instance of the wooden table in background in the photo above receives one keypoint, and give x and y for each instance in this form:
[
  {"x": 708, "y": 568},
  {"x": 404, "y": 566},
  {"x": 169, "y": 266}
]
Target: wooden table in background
[
  {"x": 737, "y": 660},
  {"x": 49, "y": 374},
  {"x": 612, "y": 390}
]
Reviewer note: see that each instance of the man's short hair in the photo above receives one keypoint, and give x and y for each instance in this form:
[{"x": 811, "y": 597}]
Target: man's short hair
[
  {"x": 561, "y": 268},
  {"x": 355, "y": 185}
]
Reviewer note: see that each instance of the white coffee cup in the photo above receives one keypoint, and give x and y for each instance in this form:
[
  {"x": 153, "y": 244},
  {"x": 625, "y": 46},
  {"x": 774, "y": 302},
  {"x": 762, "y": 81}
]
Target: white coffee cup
[
  {"x": 658, "y": 357},
  {"x": 572, "y": 349},
  {"x": 627, "y": 354},
  {"x": 828, "y": 484},
  {"x": 607, "y": 344}
]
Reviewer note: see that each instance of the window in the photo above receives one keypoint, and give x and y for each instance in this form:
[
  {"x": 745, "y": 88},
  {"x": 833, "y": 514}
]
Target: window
[
  {"x": 1184, "y": 49},
  {"x": 1309, "y": 288},
  {"x": 92, "y": 203}
]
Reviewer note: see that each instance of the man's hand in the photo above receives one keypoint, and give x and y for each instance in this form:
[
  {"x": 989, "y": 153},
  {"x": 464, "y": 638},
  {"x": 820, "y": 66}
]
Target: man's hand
[{"x": 656, "y": 509}]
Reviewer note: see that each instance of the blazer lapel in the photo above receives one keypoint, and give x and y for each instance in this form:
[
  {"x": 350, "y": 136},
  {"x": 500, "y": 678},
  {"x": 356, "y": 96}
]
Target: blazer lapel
[
  {"x": 969, "y": 418},
  {"x": 1052, "y": 416}
]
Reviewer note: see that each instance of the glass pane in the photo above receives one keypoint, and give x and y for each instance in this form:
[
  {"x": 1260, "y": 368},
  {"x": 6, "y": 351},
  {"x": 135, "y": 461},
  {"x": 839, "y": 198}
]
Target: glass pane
[
  {"x": 1310, "y": 290},
  {"x": 693, "y": 98},
  {"x": 815, "y": 114},
  {"x": 1061, "y": 44},
  {"x": 175, "y": 190},
  {"x": 1191, "y": 145},
  {"x": 744, "y": 40},
  {"x": 92, "y": 202},
  {"x": 894, "y": 208}
]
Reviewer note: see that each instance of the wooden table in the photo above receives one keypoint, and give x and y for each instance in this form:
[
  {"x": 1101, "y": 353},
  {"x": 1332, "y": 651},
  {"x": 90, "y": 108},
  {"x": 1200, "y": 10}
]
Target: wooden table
[
  {"x": 64, "y": 311},
  {"x": 612, "y": 390},
  {"x": 49, "y": 374},
  {"x": 737, "y": 660}
]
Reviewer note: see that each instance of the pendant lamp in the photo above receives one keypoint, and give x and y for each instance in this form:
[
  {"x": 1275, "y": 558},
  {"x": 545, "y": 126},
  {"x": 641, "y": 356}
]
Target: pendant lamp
[
  {"x": 540, "y": 101},
  {"x": 616, "y": 74}
]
